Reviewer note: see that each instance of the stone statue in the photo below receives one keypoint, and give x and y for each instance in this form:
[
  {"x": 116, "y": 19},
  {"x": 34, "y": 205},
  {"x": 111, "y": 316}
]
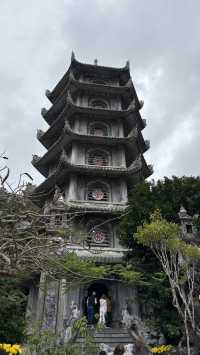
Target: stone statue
[
  {"x": 74, "y": 315},
  {"x": 57, "y": 197},
  {"x": 75, "y": 312},
  {"x": 127, "y": 318},
  {"x": 68, "y": 334}
]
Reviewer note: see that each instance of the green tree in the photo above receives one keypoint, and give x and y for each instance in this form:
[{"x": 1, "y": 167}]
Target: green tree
[
  {"x": 13, "y": 301},
  {"x": 178, "y": 260},
  {"x": 167, "y": 195}
]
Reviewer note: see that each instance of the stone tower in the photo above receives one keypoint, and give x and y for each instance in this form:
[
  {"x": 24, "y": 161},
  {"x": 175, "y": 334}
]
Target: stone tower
[{"x": 94, "y": 155}]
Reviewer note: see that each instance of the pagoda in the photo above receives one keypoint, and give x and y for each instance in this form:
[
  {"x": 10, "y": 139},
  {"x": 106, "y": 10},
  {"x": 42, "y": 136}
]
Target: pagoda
[{"x": 94, "y": 156}]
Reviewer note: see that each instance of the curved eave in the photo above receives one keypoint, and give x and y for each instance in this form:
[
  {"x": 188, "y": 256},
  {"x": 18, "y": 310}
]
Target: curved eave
[
  {"x": 66, "y": 167},
  {"x": 47, "y": 138},
  {"x": 135, "y": 145},
  {"x": 124, "y": 91},
  {"x": 127, "y": 92},
  {"x": 137, "y": 171},
  {"x": 78, "y": 67},
  {"x": 134, "y": 138},
  {"x": 96, "y": 207},
  {"x": 71, "y": 107}
]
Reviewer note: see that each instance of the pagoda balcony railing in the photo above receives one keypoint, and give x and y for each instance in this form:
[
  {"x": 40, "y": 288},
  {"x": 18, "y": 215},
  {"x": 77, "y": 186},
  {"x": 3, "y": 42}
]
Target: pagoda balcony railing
[
  {"x": 98, "y": 160},
  {"x": 98, "y": 239},
  {"x": 97, "y": 195},
  {"x": 56, "y": 221}
]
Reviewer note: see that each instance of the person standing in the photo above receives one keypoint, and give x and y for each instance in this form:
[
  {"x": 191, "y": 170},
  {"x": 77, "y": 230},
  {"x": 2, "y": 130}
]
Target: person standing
[
  {"x": 91, "y": 302},
  {"x": 109, "y": 311},
  {"x": 102, "y": 309}
]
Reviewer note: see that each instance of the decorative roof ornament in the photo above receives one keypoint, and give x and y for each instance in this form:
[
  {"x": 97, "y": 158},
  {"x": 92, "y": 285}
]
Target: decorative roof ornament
[
  {"x": 40, "y": 133},
  {"x": 58, "y": 197},
  {"x": 144, "y": 121},
  {"x": 48, "y": 93},
  {"x": 141, "y": 103},
  {"x": 147, "y": 143},
  {"x": 72, "y": 56},
  {"x": 127, "y": 64},
  {"x": 183, "y": 214},
  {"x": 35, "y": 158},
  {"x": 44, "y": 111}
]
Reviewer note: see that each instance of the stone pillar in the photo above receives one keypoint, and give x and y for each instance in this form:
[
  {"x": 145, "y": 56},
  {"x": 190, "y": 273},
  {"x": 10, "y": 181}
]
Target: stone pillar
[
  {"x": 50, "y": 306},
  {"x": 41, "y": 297}
]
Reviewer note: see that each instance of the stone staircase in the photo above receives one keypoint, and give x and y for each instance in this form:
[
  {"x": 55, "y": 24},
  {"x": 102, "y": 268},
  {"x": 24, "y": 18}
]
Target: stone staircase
[{"x": 110, "y": 337}]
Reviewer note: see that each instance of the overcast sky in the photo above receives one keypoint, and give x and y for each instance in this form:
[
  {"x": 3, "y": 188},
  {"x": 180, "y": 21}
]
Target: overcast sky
[{"x": 159, "y": 37}]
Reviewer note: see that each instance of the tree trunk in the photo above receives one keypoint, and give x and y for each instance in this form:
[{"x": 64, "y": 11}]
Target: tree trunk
[{"x": 187, "y": 337}]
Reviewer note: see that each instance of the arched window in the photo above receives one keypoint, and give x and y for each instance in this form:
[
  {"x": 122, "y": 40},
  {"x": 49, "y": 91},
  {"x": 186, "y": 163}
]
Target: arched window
[
  {"x": 98, "y": 129},
  {"x": 99, "y": 233},
  {"x": 98, "y": 157},
  {"x": 98, "y": 103},
  {"x": 98, "y": 191}
]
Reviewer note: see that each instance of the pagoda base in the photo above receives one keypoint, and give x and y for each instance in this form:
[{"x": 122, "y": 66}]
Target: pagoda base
[{"x": 50, "y": 304}]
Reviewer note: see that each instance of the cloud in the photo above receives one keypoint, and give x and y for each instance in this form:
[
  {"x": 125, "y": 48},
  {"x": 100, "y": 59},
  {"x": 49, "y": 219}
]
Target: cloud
[{"x": 159, "y": 38}]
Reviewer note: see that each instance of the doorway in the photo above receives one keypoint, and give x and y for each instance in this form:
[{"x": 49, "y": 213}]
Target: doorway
[{"x": 100, "y": 289}]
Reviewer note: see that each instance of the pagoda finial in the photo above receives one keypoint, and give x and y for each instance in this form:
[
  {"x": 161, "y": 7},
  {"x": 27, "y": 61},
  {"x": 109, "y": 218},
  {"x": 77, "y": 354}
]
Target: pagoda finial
[
  {"x": 95, "y": 62},
  {"x": 72, "y": 56}
]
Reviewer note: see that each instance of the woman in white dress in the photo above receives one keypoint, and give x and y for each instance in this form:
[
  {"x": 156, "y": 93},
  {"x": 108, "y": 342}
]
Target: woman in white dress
[{"x": 102, "y": 309}]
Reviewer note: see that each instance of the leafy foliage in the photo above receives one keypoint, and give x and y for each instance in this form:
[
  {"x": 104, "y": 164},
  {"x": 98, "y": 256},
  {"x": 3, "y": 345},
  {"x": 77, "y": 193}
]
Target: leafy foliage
[
  {"x": 12, "y": 301},
  {"x": 45, "y": 342},
  {"x": 167, "y": 195},
  {"x": 178, "y": 260}
]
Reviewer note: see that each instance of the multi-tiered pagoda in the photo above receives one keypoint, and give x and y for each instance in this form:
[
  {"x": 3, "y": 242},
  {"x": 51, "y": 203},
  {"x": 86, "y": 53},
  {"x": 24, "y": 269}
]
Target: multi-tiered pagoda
[{"x": 94, "y": 155}]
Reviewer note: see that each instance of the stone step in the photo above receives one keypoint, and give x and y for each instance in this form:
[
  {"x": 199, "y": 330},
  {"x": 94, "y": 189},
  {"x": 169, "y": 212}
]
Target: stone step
[
  {"x": 111, "y": 331},
  {"x": 110, "y": 336},
  {"x": 125, "y": 340}
]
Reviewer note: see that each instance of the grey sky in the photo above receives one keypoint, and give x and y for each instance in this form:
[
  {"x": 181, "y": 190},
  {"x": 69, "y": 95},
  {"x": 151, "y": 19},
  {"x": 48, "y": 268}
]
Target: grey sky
[{"x": 159, "y": 37}]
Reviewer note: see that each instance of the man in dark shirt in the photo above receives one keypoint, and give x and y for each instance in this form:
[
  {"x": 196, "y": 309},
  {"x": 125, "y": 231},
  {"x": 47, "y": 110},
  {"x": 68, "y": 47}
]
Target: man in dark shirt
[{"x": 91, "y": 302}]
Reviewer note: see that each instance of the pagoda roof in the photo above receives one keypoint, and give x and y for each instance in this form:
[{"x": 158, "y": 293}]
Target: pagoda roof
[
  {"x": 130, "y": 114},
  {"x": 78, "y": 68},
  {"x": 65, "y": 168},
  {"x": 134, "y": 143},
  {"x": 136, "y": 171},
  {"x": 127, "y": 92}
]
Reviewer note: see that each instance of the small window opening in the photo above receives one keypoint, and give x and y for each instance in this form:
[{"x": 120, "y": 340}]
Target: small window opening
[
  {"x": 98, "y": 158},
  {"x": 98, "y": 129},
  {"x": 98, "y": 192},
  {"x": 189, "y": 228},
  {"x": 58, "y": 219},
  {"x": 99, "y": 104}
]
